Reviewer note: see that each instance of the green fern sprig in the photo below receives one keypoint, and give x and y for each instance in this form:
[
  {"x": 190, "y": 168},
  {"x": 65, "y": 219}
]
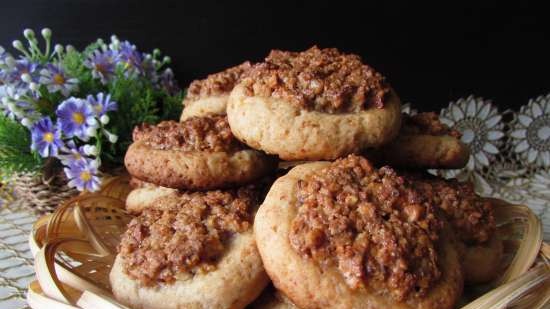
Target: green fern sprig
[{"x": 15, "y": 152}]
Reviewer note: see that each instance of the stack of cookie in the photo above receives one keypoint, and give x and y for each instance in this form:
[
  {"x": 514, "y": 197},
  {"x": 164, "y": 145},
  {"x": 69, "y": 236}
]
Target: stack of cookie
[
  {"x": 361, "y": 226},
  {"x": 197, "y": 189}
]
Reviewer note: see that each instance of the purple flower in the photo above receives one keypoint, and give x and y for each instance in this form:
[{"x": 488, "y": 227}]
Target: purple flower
[
  {"x": 22, "y": 67},
  {"x": 76, "y": 118},
  {"x": 55, "y": 79},
  {"x": 102, "y": 104},
  {"x": 72, "y": 153},
  {"x": 102, "y": 65},
  {"x": 129, "y": 57},
  {"x": 82, "y": 175},
  {"x": 46, "y": 138},
  {"x": 168, "y": 82}
]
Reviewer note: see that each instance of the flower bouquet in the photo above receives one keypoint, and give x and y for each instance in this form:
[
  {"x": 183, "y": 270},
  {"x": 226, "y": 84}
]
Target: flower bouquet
[{"x": 67, "y": 115}]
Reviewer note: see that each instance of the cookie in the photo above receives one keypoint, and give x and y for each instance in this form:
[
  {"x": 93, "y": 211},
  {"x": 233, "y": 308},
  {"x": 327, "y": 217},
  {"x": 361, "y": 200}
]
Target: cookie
[
  {"x": 197, "y": 154},
  {"x": 332, "y": 236},
  {"x": 140, "y": 198},
  {"x": 191, "y": 251},
  {"x": 272, "y": 299},
  {"x": 472, "y": 220},
  {"x": 313, "y": 105},
  {"x": 481, "y": 262},
  {"x": 423, "y": 142},
  {"x": 209, "y": 96}
]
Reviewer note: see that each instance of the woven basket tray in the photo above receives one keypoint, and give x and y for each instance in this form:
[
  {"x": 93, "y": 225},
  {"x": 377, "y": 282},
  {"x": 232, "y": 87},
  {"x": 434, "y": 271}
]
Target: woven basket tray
[
  {"x": 41, "y": 194},
  {"x": 75, "y": 246}
]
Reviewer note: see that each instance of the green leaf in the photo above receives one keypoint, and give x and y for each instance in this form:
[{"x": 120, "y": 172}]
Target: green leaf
[{"x": 15, "y": 152}]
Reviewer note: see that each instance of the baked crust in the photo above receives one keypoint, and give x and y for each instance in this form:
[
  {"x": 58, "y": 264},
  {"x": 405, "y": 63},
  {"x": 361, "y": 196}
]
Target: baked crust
[
  {"x": 309, "y": 286},
  {"x": 482, "y": 262},
  {"x": 280, "y": 127},
  {"x": 238, "y": 279},
  {"x": 209, "y": 96},
  {"x": 208, "y": 106},
  {"x": 143, "y": 197},
  {"x": 196, "y": 170}
]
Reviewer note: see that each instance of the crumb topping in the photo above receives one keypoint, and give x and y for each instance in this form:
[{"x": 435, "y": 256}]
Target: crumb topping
[
  {"x": 184, "y": 234},
  {"x": 194, "y": 134},
  {"x": 371, "y": 225},
  {"x": 318, "y": 79},
  {"x": 218, "y": 83}
]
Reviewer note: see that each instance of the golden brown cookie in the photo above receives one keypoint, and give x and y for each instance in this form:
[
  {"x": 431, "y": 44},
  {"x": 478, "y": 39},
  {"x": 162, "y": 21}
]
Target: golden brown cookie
[
  {"x": 472, "y": 219},
  {"x": 144, "y": 196},
  {"x": 209, "y": 96},
  {"x": 423, "y": 142},
  {"x": 345, "y": 235},
  {"x": 313, "y": 105},
  {"x": 191, "y": 251},
  {"x": 197, "y": 154}
]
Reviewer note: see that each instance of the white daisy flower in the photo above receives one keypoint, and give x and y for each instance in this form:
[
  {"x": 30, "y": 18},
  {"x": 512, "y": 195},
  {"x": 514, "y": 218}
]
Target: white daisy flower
[
  {"x": 481, "y": 126},
  {"x": 531, "y": 132}
]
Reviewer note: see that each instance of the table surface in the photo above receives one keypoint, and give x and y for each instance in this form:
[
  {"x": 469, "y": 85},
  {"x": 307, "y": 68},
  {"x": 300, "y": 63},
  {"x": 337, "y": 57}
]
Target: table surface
[{"x": 16, "y": 260}]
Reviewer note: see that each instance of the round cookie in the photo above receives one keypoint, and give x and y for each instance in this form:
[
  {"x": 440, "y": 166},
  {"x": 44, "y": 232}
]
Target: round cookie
[
  {"x": 209, "y": 96},
  {"x": 423, "y": 142},
  {"x": 191, "y": 252},
  {"x": 313, "y": 105},
  {"x": 472, "y": 220},
  {"x": 314, "y": 278},
  {"x": 197, "y": 154}
]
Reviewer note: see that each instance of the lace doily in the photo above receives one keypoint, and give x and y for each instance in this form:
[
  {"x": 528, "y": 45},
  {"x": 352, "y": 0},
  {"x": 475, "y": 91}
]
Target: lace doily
[{"x": 510, "y": 151}]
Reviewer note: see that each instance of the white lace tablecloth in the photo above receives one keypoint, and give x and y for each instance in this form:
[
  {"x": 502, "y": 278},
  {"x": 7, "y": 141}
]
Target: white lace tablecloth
[
  {"x": 16, "y": 261},
  {"x": 510, "y": 160}
]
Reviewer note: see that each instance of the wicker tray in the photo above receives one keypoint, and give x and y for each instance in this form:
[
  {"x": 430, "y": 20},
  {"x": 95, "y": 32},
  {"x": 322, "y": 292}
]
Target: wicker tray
[{"x": 75, "y": 246}]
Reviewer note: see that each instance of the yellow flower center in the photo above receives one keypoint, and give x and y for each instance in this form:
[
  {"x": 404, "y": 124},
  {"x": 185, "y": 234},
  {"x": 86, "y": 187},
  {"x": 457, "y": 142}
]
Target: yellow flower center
[
  {"x": 48, "y": 137},
  {"x": 85, "y": 176},
  {"x": 78, "y": 118},
  {"x": 58, "y": 79}
]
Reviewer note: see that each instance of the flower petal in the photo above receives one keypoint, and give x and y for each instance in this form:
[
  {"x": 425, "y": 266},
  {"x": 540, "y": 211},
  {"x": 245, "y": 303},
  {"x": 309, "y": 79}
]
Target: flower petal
[
  {"x": 522, "y": 146},
  {"x": 471, "y": 109},
  {"x": 471, "y": 164},
  {"x": 484, "y": 111},
  {"x": 546, "y": 158},
  {"x": 481, "y": 185},
  {"x": 532, "y": 155},
  {"x": 457, "y": 113},
  {"x": 482, "y": 158},
  {"x": 521, "y": 133},
  {"x": 446, "y": 121},
  {"x": 537, "y": 111},
  {"x": 491, "y": 122},
  {"x": 490, "y": 148},
  {"x": 525, "y": 120},
  {"x": 493, "y": 135}
]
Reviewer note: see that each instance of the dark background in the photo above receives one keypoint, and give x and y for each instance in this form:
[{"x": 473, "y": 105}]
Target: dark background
[{"x": 431, "y": 54}]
